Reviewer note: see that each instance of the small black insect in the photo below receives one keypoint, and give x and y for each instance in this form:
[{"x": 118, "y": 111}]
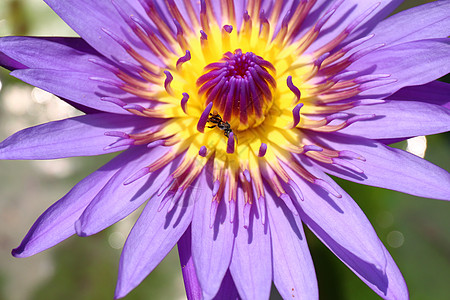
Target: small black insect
[{"x": 216, "y": 119}]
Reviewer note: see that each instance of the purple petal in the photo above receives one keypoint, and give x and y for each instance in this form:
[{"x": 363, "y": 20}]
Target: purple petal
[
  {"x": 57, "y": 222},
  {"x": 251, "y": 264},
  {"x": 74, "y": 86},
  {"x": 387, "y": 282},
  {"x": 54, "y": 53},
  {"x": 388, "y": 168},
  {"x": 167, "y": 17},
  {"x": 345, "y": 223},
  {"x": 117, "y": 200},
  {"x": 402, "y": 118},
  {"x": 344, "y": 16},
  {"x": 430, "y": 20},
  {"x": 151, "y": 239},
  {"x": 89, "y": 18},
  {"x": 208, "y": 244},
  {"x": 411, "y": 63},
  {"x": 9, "y": 63},
  {"x": 78, "y": 136},
  {"x": 435, "y": 92},
  {"x": 346, "y": 229},
  {"x": 293, "y": 268},
  {"x": 191, "y": 284}
]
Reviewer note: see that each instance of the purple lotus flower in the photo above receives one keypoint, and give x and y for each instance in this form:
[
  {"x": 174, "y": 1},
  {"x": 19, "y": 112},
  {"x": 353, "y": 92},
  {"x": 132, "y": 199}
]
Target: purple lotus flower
[{"x": 230, "y": 114}]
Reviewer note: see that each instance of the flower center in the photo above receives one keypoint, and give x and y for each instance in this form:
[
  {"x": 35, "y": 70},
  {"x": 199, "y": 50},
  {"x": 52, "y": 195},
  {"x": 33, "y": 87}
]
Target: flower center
[{"x": 240, "y": 87}]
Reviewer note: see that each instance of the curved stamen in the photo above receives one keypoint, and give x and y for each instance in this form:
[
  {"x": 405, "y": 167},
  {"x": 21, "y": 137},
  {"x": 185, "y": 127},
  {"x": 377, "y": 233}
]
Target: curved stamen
[
  {"x": 230, "y": 143},
  {"x": 262, "y": 150},
  {"x": 184, "y": 102},
  {"x": 204, "y": 118},
  {"x": 183, "y": 59},
  {"x": 202, "y": 152}
]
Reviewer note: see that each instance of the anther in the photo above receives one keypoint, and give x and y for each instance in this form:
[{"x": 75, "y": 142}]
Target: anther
[
  {"x": 262, "y": 150},
  {"x": 346, "y": 164},
  {"x": 178, "y": 27},
  {"x": 204, "y": 118},
  {"x": 327, "y": 187},
  {"x": 228, "y": 28},
  {"x": 296, "y": 115},
  {"x": 293, "y": 88},
  {"x": 202, "y": 152},
  {"x": 351, "y": 154},
  {"x": 155, "y": 144},
  {"x": 360, "y": 118},
  {"x": 308, "y": 148},
  {"x": 167, "y": 82},
  {"x": 119, "y": 134},
  {"x": 203, "y": 36},
  {"x": 136, "y": 107},
  {"x": 230, "y": 143},
  {"x": 184, "y": 102},
  {"x": 183, "y": 59},
  {"x": 247, "y": 175},
  {"x": 138, "y": 175}
]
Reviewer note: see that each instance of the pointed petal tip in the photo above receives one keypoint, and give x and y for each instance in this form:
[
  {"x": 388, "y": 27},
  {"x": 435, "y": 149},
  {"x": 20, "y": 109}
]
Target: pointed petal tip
[
  {"x": 79, "y": 229},
  {"x": 18, "y": 252},
  {"x": 120, "y": 292}
]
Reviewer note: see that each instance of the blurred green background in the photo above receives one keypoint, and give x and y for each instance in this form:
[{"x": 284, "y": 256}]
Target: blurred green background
[{"x": 416, "y": 231}]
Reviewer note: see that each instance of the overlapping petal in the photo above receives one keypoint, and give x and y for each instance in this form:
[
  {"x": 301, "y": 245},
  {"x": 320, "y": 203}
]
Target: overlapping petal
[
  {"x": 211, "y": 241},
  {"x": 339, "y": 218},
  {"x": 152, "y": 237},
  {"x": 411, "y": 63},
  {"x": 117, "y": 200},
  {"x": 55, "y": 53},
  {"x": 74, "y": 86},
  {"x": 78, "y": 136},
  {"x": 431, "y": 20},
  {"x": 388, "y": 167},
  {"x": 293, "y": 267},
  {"x": 57, "y": 222},
  {"x": 251, "y": 264},
  {"x": 9, "y": 63},
  {"x": 403, "y": 118},
  {"x": 435, "y": 92},
  {"x": 345, "y": 15},
  {"x": 375, "y": 267},
  {"x": 191, "y": 284},
  {"x": 90, "y": 18}
]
